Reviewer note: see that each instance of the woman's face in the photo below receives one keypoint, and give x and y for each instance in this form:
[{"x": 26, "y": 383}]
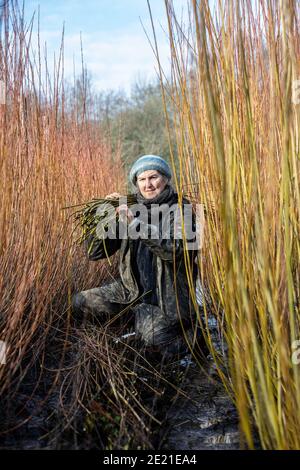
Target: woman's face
[{"x": 151, "y": 183}]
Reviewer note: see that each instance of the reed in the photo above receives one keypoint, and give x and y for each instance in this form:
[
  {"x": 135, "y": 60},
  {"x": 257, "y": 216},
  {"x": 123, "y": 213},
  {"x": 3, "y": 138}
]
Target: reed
[
  {"x": 51, "y": 154},
  {"x": 237, "y": 127}
]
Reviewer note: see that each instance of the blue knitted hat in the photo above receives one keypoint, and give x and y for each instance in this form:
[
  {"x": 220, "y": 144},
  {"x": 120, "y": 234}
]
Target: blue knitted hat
[{"x": 149, "y": 162}]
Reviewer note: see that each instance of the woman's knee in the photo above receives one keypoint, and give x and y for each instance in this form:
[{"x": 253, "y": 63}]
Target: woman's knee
[
  {"x": 92, "y": 305},
  {"x": 77, "y": 304}
]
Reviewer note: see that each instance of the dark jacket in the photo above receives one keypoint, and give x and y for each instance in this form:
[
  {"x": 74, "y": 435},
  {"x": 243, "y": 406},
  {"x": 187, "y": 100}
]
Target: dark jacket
[{"x": 167, "y": 263}]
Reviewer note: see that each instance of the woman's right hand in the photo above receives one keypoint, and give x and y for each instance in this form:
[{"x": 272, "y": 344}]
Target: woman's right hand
[{"x": 113, "y": 196}]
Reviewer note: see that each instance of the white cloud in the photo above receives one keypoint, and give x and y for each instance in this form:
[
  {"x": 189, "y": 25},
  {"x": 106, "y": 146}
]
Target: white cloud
[
  {"x": 114, "y": 57},
  {"x": 114, "y": 62}
]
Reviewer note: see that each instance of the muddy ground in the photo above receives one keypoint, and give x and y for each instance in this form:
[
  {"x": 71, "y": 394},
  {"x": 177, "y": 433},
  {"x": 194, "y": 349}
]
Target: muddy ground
[{"x": 199, "y": 416}]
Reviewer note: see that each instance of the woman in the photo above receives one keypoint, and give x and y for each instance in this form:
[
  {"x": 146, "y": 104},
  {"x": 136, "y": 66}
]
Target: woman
[{"x": 152, "y": 269}]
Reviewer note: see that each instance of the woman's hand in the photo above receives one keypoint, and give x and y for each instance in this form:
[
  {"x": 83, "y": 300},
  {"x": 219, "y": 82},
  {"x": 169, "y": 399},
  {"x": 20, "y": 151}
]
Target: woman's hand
[
  {"x": 113, "y": 196},
  {"x": 124, "y": 212}
]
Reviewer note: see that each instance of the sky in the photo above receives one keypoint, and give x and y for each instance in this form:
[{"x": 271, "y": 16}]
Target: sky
[{"x": 116, "y": 50}]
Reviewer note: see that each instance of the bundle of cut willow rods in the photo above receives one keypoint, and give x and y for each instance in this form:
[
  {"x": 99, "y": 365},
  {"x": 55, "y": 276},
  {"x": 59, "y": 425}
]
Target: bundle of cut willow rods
[{"x": 88, "y": 218}]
